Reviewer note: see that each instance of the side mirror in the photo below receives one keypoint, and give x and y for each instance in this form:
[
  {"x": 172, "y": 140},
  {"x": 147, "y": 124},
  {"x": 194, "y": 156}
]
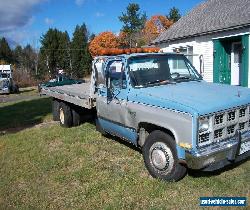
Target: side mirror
[{"x": 109, "y": 88}]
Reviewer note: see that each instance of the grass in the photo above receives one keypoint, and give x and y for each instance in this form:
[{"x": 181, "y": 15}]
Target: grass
[
  {"x": 24, "y": 114},
  {"x": 49, "y": 167}
]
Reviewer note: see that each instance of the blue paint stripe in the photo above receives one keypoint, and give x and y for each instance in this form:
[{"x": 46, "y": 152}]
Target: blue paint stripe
[{"x": 118, "y": 130}]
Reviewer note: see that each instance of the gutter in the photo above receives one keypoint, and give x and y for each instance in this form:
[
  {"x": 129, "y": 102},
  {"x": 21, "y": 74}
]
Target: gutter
[{"x": 203, "y": 33}]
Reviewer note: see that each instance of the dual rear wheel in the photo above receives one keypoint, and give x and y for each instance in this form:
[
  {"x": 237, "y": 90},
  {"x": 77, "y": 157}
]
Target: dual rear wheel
[{"x": 67, "y": 115}]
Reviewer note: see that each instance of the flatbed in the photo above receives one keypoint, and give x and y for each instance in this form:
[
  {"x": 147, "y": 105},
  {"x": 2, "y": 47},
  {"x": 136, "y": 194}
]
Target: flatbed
[{"x": 78, "y": 94}]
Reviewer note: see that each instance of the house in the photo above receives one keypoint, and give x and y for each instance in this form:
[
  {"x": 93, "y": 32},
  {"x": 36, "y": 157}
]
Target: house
[{"x": 215, "y": 37}]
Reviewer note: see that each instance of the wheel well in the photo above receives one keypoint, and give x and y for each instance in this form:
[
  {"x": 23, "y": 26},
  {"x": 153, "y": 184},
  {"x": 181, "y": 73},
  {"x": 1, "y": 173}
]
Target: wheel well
[{"x": 146, "y": 128}]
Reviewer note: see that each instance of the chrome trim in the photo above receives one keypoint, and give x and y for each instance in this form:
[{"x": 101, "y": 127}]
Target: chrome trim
[
  {"x": 216, "y": 152},
  {"x": 236, "y": 124}
]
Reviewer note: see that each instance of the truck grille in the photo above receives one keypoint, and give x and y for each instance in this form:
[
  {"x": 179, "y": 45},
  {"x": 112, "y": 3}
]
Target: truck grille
[
  {"x": 231, "y": 116},
  {"x": 218, "y": 133},
  {"x": 203, "y": 138},
  {"x": 218, "y": 119},
  {"x": 231, "y": 129},
  {"x": 225, "y": 124}
]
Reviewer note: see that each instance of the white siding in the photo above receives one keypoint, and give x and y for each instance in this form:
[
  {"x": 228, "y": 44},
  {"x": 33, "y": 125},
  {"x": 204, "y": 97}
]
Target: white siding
[
  {"x": 205, "y": 49},
  {"x": 201, "y": 47}
]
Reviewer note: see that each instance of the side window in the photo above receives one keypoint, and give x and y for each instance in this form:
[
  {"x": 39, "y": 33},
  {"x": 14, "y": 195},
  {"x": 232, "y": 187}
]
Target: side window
[
  {"x": 117, "y": 74},
  {"x": 99, "y": 73}
]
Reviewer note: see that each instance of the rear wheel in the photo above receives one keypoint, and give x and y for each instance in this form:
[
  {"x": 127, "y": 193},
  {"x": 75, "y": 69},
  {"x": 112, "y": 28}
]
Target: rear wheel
[
  {"x": 76, "y": 116},
  {"x": 65, "y": 115},
  {"x": 55, "y": 109},
  {"x": 160, "y": 157}
]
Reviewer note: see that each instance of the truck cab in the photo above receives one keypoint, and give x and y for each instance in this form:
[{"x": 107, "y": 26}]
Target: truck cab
[
  {"x": 160, "y": 103},
  {"x": 7, "y": 84}
]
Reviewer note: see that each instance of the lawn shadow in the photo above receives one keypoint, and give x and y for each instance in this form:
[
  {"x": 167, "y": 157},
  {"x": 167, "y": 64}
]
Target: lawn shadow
[
  {"x": 91, "y": 118},
  {"x": 199, "y": 173},
  {"x": 123, "y": 142},
  {"x": 24, "y": 114},
  {"x": 27, "y": 90}
]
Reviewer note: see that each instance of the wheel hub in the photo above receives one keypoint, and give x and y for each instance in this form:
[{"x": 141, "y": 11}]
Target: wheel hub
[
  {"x": 61, "y": 115},
  {"x": 161, "y": 157}
]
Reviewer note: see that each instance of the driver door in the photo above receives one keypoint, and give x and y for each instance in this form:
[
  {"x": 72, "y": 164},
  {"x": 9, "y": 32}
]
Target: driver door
[{"x": 112, "y": 100}]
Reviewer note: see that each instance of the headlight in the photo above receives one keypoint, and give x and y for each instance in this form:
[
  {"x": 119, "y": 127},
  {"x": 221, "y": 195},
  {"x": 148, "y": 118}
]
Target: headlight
[{"x": 204, "y": 124}]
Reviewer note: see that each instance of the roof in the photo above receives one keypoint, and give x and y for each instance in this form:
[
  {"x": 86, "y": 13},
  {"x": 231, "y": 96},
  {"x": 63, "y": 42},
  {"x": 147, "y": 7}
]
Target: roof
[
  {"x": 5, "y": 67},
  {"x": 208, "y": 17}
]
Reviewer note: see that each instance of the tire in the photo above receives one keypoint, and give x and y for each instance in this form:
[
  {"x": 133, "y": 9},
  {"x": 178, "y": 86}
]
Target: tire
[
  {"x": 55, "y": 109},
  {"x": 16, "y": 89},
  {"x": 65, "y": 115},
  {"x": 76, "y": 117},
  {"x": 160, "y": 157}
]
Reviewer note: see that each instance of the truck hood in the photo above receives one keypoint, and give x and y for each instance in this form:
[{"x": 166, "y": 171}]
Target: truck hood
[{"x": 194, "y": 97}]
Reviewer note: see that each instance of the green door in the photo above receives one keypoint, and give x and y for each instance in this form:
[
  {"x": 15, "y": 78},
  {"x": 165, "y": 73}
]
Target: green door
[
  {"x": 245, "y": 60},
  {"x": 222, "y": 73},
  {"x": 222, "y": 60}
]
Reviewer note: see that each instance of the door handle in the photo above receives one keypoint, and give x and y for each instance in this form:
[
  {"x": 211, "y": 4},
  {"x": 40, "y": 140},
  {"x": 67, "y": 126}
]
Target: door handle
[
  {"x": 117, "y": 102},
  {"x": 101, "y": 91}
]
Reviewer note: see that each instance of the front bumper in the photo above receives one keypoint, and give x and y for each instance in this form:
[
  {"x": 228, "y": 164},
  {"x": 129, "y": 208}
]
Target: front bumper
[
  {"x": 4, "y": 90},
  {"x": 219, "y": 154}
]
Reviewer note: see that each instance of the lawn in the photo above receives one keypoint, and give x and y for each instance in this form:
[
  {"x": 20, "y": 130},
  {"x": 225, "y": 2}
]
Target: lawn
[{"x": 46, "y": 166}]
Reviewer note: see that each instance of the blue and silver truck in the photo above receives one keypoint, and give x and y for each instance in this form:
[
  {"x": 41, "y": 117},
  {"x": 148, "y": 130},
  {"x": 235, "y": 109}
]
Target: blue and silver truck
[{"x": 159, "y": 103}]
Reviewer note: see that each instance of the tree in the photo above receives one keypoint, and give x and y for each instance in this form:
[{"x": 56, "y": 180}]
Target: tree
[
  {"x": 18, "y": 56},
  {"x": 64, "y": 52},
  {"x": 174, "y": 14},
  {"x": 49, "y": 51},
  {"x": 54, "y": 52},
  {"x": 5, "y": 51},
  {"x": 80, "y": 56},
  {"x": 133, "y": 22},
  {"x": 155, "y": 26},
  {"x": 103, "y": 40},
  {"x": 123, "y": 40}
]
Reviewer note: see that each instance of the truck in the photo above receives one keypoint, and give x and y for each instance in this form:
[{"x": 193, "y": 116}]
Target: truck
[
  {"x": 7, "y": 85},
  {"x": 161, "y": 104}
]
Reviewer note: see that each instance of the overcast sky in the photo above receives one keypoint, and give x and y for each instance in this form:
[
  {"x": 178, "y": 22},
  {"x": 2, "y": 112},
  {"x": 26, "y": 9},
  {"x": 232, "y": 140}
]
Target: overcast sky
[{"x": 24, "y": 21}]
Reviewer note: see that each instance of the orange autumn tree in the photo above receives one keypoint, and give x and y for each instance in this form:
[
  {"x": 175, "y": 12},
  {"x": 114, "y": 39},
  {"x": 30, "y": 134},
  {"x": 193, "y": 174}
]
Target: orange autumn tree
[
  {"x": 103, "y": 40},
  {"x": 123, "y": 39},
  {"x": 155, "y": 26}
]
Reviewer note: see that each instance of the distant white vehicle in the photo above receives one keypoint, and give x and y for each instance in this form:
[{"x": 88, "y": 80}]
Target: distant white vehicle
[{"x": 7, "y": 84}]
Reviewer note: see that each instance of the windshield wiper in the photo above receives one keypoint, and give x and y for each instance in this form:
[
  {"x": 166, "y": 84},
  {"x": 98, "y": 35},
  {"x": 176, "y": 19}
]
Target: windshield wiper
[
  {"x": 185, "y": 78},
  {"x": 158, "y": 82}
]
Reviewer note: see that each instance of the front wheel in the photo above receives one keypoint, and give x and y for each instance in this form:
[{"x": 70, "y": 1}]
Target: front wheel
[{"x": 160, "y": 157}]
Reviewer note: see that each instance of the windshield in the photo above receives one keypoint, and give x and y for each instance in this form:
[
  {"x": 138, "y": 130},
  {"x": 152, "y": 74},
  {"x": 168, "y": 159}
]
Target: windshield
[
  {"x": 161, "y": 69},
  {"x": 4, "y": 75}
]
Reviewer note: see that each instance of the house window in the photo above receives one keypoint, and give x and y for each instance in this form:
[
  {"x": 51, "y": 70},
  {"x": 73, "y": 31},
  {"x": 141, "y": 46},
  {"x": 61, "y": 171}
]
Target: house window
[{"x": 187, "y": 51}]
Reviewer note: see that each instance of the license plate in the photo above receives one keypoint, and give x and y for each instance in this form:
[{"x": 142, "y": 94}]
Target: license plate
[{"x": 244, "y": 147}]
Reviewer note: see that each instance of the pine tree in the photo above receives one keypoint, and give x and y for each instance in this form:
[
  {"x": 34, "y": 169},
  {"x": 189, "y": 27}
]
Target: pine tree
[
  {"x": 174, "y": 14},
  {"x": 64, "y": 52},
  {"x": 54, "y": 52},
  {"x": 80, "y": 56},
  {"x": 133, "y": 22},
  {"x": 5, "y": 51},
  {"x": 18, "y": 56}
]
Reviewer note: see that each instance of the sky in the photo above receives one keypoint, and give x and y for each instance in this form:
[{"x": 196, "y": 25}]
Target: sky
[{"x": 25, "y": 21}]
